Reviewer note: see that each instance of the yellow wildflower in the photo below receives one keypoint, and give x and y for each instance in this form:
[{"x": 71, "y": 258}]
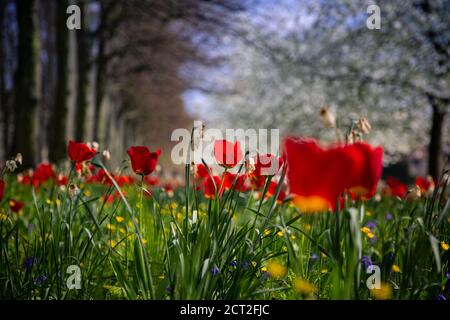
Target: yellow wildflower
[
  {"x": 276, "y": 270},
  {"x": 120, "y": 219},
  {"x": 383, "y": 293},
  {"x": 87, "y": 193},
  {"x": 122, "y": 230},
  {"x": 445, "y": 246},
  {"x": 280, "y": 234},
  {"x": 395, "y": 268},
  {"x": 303, "y": 287},
  {"x": 112, "y": 243},
  {"x": 110, "y": 227},
  {"x": 264, "y": 269},
  {"x": 266, "y": 232}
]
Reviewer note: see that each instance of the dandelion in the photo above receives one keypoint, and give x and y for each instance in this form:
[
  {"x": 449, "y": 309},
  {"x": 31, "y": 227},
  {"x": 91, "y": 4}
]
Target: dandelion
[
  {"x": 383, "y": 293},
  {"x": 395, "y": 268},
  {"x": 303, "y": 287},
  {"x": 445, "y": 246},
  {"x": 120, "y": 219},
  {"x": 112, "y": 243},
  {"x": 276, "y": 270}
]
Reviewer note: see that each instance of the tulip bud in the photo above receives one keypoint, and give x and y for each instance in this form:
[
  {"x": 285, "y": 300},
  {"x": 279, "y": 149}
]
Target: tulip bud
[
  {"x": 11, "y": 165},
  {"x": 106, "y": 154},
  {"x": 414, "y": 193},
  {"x": 328, "y": 118},
  {"x": 73, "y": 190},
  {"x": 19, "y": 158},
  {"x": 364, "y": 125}
]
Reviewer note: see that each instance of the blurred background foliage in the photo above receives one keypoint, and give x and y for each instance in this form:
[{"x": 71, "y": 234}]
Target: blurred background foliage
[{"x": 138, "y": 69}]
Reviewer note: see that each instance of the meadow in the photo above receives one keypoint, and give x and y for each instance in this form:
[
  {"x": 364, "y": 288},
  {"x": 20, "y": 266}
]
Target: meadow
[{"x": 89, "y": 232}]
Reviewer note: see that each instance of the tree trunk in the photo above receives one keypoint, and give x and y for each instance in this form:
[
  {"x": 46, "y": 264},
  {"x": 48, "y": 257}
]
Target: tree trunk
[
  {"x": 58, "y": 118},
  {"x": 3, "y": 108},
  {"x": 25, "y": 100},
  {"x": 435, "y": 156},
  {"x": 100, "y": 75},
  {"x": 83, "y": 79}
]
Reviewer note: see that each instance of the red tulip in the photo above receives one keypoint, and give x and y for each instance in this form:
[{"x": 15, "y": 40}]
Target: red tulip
[
  {"x": 210, "y": 185},
  {"x": 201, "y": 171},
  {"x": 15, "y": 206},
  {"x": 272, "y": 189},
  {"x": 267, "y": 164},
  {"x": 425, "y": 184},
  {"x": 43, "y": 173},
  {"x": 153, "y": 180},
  {"x": 396, "y": 187},
  {"x": 229, "y": 178},
  {"x": 2, "y": 189},
  {"x": 61, "y": 180},
  {"x": 79, "y": 151},
  {"x": 368, "y": 170},
  {"x": 142, "y": 160},
  {"x": 227, "y": 154},
  {"x": 317, "y": 176}
]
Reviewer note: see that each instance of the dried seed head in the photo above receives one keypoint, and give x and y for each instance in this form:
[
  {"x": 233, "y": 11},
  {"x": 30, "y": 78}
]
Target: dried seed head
[
  {"x": 328, "y": 118},
  {"x": 414, "y": 193},
  {"x": 73, "y": 190},
  {"x": 19, "y": 158},
  {"x": 352, "y": 137},
  {"x": 11, "y": 165},
  {"x": 106, "y": 154},
  {"x": 364, "y": 125}
]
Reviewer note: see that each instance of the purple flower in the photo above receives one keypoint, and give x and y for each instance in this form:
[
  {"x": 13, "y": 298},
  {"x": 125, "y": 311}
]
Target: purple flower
[
  {"x": 215, "y": 271},
  {"x": 40, "y": 280},
  {"x": 388, "y": 216},
  {"x": 372, "y": 224},
  {"x": 441, "y": 297},
  {"x": 244, "y": 265},
  {"x": 314, "y": 256},
  {"x": 233, "y": 263},
  {"x": 373, "y": 240},
  {"x": 169, "y": 289},
  {"x": 29, "y": 262},
  {"x": 366, "y": 261}
]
